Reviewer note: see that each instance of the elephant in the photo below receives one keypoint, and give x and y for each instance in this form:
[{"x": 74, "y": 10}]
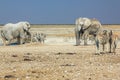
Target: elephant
[
  {"x": 11, "y": 31},
  {"x": 85, "y": 27},
  {"x": 108, "y": 40}
]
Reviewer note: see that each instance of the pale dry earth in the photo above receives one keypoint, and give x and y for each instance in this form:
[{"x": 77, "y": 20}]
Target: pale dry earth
[
  {"x": 57, "y": 62},
  {"x": 58, "y": 59}
]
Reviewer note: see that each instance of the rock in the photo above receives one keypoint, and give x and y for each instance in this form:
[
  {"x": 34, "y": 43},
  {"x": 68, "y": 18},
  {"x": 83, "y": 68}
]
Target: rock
[
  {"x": 14, "y": 56},
  {"x": 28, "y": 53},
  {"x": 68, "y": 65},
  {"x": 89, "y": 79},
  {"x": 9, "y": 76},
  {"x": 70, "y": 53},
  {"x": 27, "y": 59}
]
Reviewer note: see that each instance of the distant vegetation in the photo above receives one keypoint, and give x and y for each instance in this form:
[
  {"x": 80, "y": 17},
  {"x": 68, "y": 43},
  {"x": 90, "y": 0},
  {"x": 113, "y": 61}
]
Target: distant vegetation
[
  {"x": 52, "y": 25},
  {"x": 115, "y": 26}
]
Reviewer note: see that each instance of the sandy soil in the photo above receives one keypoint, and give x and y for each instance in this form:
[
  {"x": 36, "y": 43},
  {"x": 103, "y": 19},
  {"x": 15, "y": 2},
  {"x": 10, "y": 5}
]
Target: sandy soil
[
  {"x": 57, "y": 62},
  {"x": 57, "y": 59}
]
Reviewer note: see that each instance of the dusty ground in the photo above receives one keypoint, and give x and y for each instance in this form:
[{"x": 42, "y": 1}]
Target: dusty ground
[{"x": 59, "y": 61}]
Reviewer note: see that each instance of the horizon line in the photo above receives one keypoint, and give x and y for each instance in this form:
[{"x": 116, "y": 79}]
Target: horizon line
[{"x": 62, "y": 24}]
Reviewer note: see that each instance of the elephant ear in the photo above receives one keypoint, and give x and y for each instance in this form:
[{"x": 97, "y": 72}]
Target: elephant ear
[
  {"x": 77, "y": 23},
  {"x": 26, "y": 26},
  {"x": 86, "y": 22}
]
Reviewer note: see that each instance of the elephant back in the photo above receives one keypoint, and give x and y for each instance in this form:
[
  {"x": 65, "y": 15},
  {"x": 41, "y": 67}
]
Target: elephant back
[
  {"x": 86, "y": 22},
  {"x": 95, "y": 23},
  {"x": 95, "y": 26}
]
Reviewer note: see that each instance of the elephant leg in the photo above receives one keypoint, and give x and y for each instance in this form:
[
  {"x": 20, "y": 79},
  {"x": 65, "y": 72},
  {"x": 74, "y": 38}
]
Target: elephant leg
[
  {"x": 77, "y": 42},
  {"x": 85, "y": 39},
  {"x": 18, "y": 39},
  {"x": 103, "y": 48},
  {"x": 31, "y": 39},
  {"x": 4, "y": 42},
  {"x": 85, "y": 36},
  {"x": 77, "y": 38},
  {"x": 4, "y": 39},
  {"x": 21, "y": 41}
]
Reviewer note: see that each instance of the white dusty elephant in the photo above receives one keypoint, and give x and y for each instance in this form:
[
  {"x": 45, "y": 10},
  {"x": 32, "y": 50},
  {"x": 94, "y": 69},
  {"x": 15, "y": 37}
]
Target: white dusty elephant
[
  {"x": 85, "y": 27},
  {"x": 17, "y": 31}
]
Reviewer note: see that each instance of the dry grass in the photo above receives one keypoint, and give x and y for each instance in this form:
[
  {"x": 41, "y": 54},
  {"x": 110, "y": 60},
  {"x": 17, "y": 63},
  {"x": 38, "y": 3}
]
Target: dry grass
[
  {"x": 71, "y": 26},
  {"x": 52, "y": 26},
  {"x": 58, "y": 28},
  {"x": 62, "y": 35},
  {"x": 111, "y": 26}
]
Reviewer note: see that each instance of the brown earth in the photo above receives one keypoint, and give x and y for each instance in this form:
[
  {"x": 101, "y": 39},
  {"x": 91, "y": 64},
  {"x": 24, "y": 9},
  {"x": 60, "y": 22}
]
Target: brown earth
[{"x": 58, "y": 61}]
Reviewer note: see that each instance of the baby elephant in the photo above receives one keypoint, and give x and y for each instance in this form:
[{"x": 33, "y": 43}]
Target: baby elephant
[{"x": 106, "y": 39}]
